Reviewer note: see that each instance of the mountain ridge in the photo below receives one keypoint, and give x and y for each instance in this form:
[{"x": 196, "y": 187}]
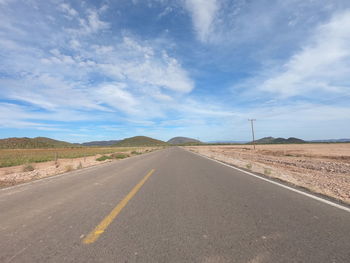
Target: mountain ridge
[
  {"x": 183, "y": 140},
  {"x": 33, "y": 143},
  {"x": 139, "y": 141},
  {"x": 279, "y": 140},
  {"x": 100, "y": 143}
]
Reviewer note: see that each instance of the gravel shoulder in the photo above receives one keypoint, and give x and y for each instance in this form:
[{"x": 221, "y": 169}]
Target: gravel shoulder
[{"x": 320, "y": 168}]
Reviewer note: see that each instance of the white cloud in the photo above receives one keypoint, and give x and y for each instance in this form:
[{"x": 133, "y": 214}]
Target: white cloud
[
  {"x": 117, "y": 97},
  {"x": 166, "y": 73},
  {"x": 16, "y": 116},
  {"x": 68, "y": 10},
  {"x": 203, "y": 13},
  {"x": 89, "y": 23},
  {"x": 58, "y": 58},
  {"x": 139, "y": 78},
  {"x": 51, "y": 93},
  {"x": 103, "y": 8},
  {"x": 95, "y": 22},
  {"x": 75, "y": 44},
  {"x": 323, "y": 64},
  {"x": 103, "y": 49},
  {"x": 139, "y": 63}
]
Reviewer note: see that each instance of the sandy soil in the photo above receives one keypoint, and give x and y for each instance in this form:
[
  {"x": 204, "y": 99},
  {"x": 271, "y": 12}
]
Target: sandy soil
[
  {"x": 321, "y": 168},
  {"x": 17, "y": 174}
]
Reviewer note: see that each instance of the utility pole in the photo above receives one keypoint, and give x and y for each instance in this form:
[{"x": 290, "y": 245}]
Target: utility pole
[{"x": 252, "y": 124}]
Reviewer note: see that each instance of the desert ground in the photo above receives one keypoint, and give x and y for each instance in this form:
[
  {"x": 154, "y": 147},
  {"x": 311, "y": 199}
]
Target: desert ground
[
  {"x": 321, "y": 168},
  {"x": 40, "y": 163}
]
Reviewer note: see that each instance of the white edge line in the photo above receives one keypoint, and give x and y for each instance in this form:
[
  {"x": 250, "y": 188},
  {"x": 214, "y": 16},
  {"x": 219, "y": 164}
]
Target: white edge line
[{"x": 279, "y": 184}]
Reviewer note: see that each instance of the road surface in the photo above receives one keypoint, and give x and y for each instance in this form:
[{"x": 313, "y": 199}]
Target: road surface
[{"x": 167, "y": 206}]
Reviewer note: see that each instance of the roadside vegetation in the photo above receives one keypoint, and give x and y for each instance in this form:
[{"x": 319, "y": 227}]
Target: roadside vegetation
[
  {"x": 115, "y": 156},
  {"x": 13, "y": 157},
  {"x": 23, "y": 165}
]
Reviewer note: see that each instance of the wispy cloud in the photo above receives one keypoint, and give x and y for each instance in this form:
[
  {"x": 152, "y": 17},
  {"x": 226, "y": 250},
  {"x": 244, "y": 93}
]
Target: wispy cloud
[
  {"x": 164, "y": 68},
  {"x": 203, "y": 13},
  {"x": 136, "y": 78},
  {"x": 322, "y": 65},
  {"x": 70, "y": 12}
]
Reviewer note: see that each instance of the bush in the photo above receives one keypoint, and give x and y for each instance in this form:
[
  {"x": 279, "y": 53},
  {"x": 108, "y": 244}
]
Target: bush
[
  {"x": 249, "y": 166},
  {"x": 103, "y": 158},
  {"x": 136, "y": 153},
  {"x": 119, "y": 155},
  {"x": 28, "y": 168},
  {"x": 267, "y": 171}
]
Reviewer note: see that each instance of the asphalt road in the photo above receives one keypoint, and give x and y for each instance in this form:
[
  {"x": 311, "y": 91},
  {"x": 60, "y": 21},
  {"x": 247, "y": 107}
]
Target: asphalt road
[{"x": 188, "y": 209}]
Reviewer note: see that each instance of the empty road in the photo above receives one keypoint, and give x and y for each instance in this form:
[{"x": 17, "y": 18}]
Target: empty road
[{"x": 167, "y": 206}]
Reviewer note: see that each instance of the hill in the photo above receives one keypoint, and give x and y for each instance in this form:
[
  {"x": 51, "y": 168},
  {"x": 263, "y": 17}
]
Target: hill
[
  {"x": 139, "y": 141},
  {"x": 227, "y": 142},
  {"x": 331, "y": 141},
  {"x": 100, "y": 143},
  {"x": 32, "y": 143},
  {"x": 183, "y": 140},
  {"x": 272, "y": 140}
]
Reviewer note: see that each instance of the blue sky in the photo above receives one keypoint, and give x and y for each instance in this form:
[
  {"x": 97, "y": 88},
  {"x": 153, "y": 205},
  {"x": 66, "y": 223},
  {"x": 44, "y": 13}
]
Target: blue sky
[{"x": 99, "y": 70}]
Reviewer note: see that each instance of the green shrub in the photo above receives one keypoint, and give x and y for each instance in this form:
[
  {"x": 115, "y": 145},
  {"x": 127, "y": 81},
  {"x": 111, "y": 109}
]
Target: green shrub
[
  {"x": 249, "y": 166},
  {"x": 136, "y": 152},
  {"x": 11, "y": 157},
  {"x": 119, "y": 155},
  {"x": 267, "y": 171},
  {"x": 28, "y": 168},
  {"x": 103, "y": 158}
]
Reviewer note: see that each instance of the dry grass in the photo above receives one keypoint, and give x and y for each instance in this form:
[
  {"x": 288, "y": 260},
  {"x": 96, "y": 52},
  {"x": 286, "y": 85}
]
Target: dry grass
[
  {"x": 28, "y": 168},
  {"x": 337, "y": 151},
  {"x": 68, "y": 159},
  {"x": 69, "y": 168},
  {"x": 13, "y": 157}
]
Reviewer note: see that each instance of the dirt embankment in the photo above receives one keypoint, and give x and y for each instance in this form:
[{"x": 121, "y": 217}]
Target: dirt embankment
[
  {"x": 28, "y": 172},
  {"x": 321, "y": 168}
]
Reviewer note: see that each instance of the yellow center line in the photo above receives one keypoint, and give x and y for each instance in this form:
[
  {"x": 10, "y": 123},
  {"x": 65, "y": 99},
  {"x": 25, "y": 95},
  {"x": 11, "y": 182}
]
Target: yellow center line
[{"x": 100, "y": 228}]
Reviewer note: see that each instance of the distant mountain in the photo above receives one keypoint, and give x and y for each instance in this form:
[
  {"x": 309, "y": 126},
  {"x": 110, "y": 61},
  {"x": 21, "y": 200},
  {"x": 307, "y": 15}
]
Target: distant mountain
[
  {"x": 227, "y": 142},
  {"x": 139, "y": 141},
  {"x": 272, "y": 140},
  {"x": 331, "y": 140},
  {"x": 183, "y": 140},
  {"x": 100, "y": 143},
  {"x": 32, "y": 143}
]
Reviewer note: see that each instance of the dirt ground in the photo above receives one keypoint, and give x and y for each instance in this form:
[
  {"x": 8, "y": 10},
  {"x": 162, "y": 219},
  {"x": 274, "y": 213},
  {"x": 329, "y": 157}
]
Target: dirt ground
[
  {"x": 23, "y": 173},
  {"x": 321, "y": 168}
]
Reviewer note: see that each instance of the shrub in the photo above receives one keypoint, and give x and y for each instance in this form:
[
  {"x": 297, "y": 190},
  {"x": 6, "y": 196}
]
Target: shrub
[
  {"x": 28, "y": 168},
  {"x": 267, "y": 171},
  {"x": 103, "y": 158},
  {"x": 249, "y": 166},
  {"x": 119, "y": 155},
  {"x": 136, "y": 152}
]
